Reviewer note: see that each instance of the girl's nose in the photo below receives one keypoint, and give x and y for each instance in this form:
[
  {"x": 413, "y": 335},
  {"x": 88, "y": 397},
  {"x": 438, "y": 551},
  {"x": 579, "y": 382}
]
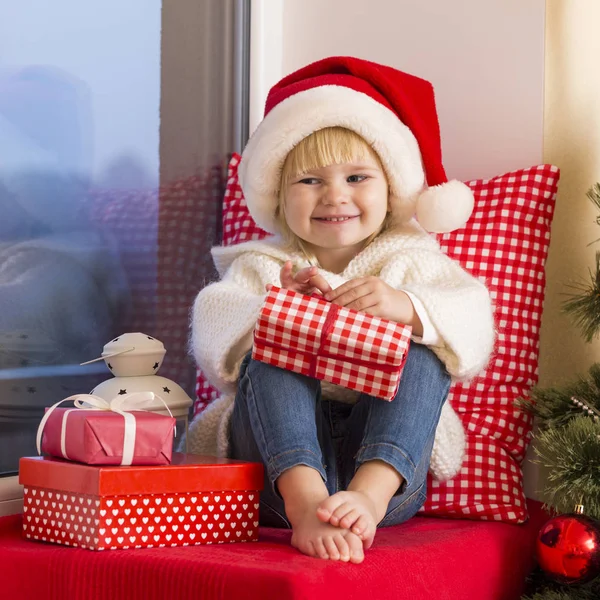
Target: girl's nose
[{"x": 334, "y": 194}]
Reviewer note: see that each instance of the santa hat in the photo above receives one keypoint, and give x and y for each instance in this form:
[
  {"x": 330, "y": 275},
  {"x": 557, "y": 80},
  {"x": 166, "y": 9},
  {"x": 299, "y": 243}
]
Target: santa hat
[{"x": 392, "y": 111}]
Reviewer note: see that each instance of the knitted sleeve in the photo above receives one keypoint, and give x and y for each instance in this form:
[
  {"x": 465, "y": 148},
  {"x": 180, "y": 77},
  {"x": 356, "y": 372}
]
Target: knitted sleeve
[
  {"x": 224, "y": 315},
  {"x": 457, "y": 304}
]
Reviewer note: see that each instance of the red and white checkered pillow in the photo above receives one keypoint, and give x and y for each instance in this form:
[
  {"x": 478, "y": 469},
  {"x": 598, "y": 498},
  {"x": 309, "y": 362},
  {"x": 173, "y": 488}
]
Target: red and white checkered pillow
[{"x": 505, "y": 244}]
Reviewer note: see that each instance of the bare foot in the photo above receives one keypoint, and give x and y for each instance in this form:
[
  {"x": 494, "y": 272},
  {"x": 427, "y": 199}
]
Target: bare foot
[
  {"x": 365, "y": 503},
  {"x": 322, "y": 540},
  {"x": 352, "y": 510},
  {"x": 303, "y": 491}
]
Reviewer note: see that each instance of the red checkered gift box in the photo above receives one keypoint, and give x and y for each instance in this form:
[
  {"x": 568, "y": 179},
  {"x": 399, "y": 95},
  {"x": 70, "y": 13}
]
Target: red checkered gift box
[{"x": 309, "y": 335}]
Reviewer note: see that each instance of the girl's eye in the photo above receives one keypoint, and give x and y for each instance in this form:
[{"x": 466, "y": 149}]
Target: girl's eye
[
  {"x": 309, "y": 181},
  {"x": 356, "y": 178}
]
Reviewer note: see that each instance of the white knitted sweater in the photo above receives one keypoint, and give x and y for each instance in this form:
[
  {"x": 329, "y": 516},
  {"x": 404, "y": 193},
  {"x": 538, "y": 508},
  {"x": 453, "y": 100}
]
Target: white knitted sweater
[{"x": 225, "y": 313}]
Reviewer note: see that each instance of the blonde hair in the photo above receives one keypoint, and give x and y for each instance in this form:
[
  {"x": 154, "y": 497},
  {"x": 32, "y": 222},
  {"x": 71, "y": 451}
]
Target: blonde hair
[{"x": 324, "y": 147}]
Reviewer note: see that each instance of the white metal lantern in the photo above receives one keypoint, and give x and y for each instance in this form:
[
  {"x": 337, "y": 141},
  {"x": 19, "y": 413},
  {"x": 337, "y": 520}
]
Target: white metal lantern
[{"x": 134, "y": 359}]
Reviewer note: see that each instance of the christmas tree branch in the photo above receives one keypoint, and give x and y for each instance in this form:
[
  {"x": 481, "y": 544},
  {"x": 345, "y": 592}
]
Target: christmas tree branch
[
  {"x": 584, "y": 304},
  {"x": 565, "y": 594},
  {"x": 554, "y": 407},
  {"x": 538, "y": 587},
  {"x": 572, "y": 456},
  {"x": 594, "y": 195}
]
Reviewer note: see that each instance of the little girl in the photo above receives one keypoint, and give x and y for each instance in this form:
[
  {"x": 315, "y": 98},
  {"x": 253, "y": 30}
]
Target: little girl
[{"x": 347, "y": 154}]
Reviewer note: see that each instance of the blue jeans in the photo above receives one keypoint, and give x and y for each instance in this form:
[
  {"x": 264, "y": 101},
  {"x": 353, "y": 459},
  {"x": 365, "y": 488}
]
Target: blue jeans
[{"x": 280, "y": 420}]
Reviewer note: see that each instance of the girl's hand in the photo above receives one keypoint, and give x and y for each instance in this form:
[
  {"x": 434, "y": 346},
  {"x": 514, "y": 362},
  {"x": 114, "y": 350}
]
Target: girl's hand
[
  {"x": 305, "y": 281},
  {"x": 372, "y": 295}
]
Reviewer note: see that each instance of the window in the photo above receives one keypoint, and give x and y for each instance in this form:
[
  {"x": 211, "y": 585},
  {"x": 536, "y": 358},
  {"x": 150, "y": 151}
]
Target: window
[{"x": 116, "y": 123}]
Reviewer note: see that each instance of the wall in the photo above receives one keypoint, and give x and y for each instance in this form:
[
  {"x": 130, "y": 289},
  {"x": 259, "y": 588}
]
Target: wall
[
  {"x": 571, "y": 141},
  {"x": 486, "y": 60}
]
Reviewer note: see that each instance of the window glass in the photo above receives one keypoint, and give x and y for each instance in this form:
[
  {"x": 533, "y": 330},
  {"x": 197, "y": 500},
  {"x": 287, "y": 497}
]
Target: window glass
[{"x": 104, "y": 113}]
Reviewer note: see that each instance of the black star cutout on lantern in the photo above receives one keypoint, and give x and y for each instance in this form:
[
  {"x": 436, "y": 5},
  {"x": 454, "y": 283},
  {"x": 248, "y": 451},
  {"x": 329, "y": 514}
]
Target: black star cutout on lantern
[
  {"x": 122, "y": 392},
  {"x": 155, "y": 366},
  {"x": 31, "y": 389},
  {"x": 116, "y": 339},
  {"x": 109, "y": 366},
  {"x": 167, "y": 390},
  {"x": 150, "y": 338}
]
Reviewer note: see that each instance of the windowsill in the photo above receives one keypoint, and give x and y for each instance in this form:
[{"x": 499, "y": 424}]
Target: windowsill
[{"x": 11, "y": 496}]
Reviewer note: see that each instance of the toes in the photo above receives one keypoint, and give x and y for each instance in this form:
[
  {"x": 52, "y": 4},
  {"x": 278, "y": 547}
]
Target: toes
[
  {"x": 361, "y": 525},
  {"x": 310, "y": 550},
  {"x": 350, "y": 520},
  {"x": 357, "y": 554},
  {"x": 328, "y": 506},
  {"x": 323, "y": 514},
  {"x": 367, "y": 539},
  {"x": 319, "y": 546},
  {"x": 342, "y": 546},
  {"x": 340, "y": 513},
  {"x": 331, "y": 547}
]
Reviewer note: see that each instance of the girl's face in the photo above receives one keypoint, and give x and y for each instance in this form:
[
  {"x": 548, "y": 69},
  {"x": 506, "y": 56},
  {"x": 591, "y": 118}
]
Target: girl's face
[{"x": 335, "y": 208}]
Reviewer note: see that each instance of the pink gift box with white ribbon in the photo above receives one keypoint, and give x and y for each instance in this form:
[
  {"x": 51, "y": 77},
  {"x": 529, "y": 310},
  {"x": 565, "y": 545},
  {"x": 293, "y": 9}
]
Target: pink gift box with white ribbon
[
  {"x": 100, "y": 432},
  {"x": 308, "y": 335}
]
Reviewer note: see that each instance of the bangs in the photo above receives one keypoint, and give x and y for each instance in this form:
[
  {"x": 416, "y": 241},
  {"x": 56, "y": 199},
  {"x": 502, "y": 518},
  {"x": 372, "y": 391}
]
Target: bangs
[{"x": 329, "y": 146}]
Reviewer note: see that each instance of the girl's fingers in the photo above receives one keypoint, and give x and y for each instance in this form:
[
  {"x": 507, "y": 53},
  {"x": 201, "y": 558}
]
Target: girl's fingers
[
  {"x": 286, "y": 274},
  {"x": 345, "y": 288},
  {"x": 320, "y": 283},
  {"x": 306, "y": 280},
  {"x": 368, "y": 304},
  {"x": 352, "y": 295},
  {"x": 304, "y": 275}
]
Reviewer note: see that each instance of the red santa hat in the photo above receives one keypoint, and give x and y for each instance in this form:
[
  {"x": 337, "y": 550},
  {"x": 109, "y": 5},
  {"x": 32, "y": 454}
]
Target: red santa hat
[{"x": 392, "y": 111}]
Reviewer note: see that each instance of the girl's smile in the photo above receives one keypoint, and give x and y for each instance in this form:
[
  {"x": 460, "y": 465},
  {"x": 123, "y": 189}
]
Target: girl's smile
[{"x": 335, "y": 220}]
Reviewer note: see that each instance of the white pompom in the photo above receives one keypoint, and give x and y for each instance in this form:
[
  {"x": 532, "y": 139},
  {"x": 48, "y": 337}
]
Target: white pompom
[
  {"x": 445, "y": 207},
  {"x": 449, "y": 445}
]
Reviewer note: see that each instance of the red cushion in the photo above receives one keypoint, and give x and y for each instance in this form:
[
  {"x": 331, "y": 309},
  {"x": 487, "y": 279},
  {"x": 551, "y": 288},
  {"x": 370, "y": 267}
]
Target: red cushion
[
  {"x": 423, "y": 559},
  {"x": 505, "y": 244}
]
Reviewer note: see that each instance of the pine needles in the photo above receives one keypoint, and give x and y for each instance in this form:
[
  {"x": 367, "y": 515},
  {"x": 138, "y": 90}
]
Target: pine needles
[
  {"x": 572, "y": 456},
  {"x": 568, "y": 442},
  {"x": 584, "y": 304},
  {"x": 565, "y": 594}
]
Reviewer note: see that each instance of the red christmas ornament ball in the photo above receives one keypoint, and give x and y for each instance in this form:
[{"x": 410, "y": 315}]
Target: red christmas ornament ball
[{"x": 568, "y": 549}]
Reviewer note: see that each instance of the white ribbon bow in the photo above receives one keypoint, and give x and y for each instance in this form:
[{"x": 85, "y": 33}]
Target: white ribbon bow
[{"x": 119, "y": 404}]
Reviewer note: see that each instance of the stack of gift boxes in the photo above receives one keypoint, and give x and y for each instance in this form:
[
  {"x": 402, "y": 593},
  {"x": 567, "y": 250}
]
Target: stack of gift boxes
[{"x": 108, "y": 477}]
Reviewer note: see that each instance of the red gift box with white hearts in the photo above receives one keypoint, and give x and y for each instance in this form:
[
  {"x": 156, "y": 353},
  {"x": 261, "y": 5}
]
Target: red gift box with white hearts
[
  {"x": 309, "y": 335},
  {"x": 194, "y": 500}
]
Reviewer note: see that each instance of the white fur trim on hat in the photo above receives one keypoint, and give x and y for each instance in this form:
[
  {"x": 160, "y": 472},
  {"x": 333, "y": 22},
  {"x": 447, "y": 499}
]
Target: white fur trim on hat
[{"x": 298, "y": 116}]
